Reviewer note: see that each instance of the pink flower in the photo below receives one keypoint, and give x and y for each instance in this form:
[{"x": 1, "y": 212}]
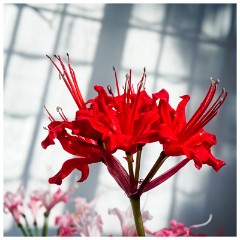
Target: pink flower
[
  {"x": 65, "y": 231},
  {"x": 90, "y": 225},
  {"x": 13, "y": 202},
  {"x": 64, "y": 220},
  {"x": 35, "y": 204},
  {"x": 178, "y": 229},
  {"x": 127, "y": 220},
  {"x": 84, "y": 221},
  {"x": 49, "y": 200},
  {"x": 82, "y": 207}
]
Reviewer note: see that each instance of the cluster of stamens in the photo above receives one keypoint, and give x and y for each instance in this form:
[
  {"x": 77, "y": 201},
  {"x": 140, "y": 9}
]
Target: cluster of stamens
[{"x": 204, "y": 113}]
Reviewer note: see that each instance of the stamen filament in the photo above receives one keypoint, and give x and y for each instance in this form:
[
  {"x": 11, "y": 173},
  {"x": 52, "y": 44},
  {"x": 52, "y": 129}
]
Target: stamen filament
[
  {"x": 60, "y": 111},
  {"x": 51, "y": 118},
  {"x": 75, "y": 83},
  {"x": 71, "y": 84},
  {"x": 204, "y": 105}
]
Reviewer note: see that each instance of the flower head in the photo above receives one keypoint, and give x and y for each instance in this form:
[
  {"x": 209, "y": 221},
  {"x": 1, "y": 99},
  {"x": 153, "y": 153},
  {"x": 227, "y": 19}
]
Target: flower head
[
  {"x": 35, "y": 204},
  {"x": 90, "y": 225},
  {"x": 64, "y": 220},
  {"x": 13, "y": 202},
  {"x": 181, "y": 137},
  {"x": 65, "y": 231},
  {"x": 84, "y": 221},
  {"x": 178, "y": 229},
  {"x": 50, "y": 200},
  {"x": 122, "y": 122}
]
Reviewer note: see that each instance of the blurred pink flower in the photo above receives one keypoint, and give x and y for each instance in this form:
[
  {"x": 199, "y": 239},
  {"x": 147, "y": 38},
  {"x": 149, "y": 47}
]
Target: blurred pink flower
[
  {"x": 82, "y": 207},
  {"x": 84, "y": 221},
  {"x": 49, "y": 200},
  {"x": 127, "y": 220},
  {"x": 13, "y": 202},
  {"x": 178, "y": 229},
  {"x": 65, "y": 231},
  {"x": 90, "y": 225},
  {"x": 64, "y": 220},
  {"x": 35, "y": 204}
]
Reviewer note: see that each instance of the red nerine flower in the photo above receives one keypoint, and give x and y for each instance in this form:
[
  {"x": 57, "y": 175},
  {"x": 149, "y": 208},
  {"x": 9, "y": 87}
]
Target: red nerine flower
[
  {"x": 181, "y": 137},
  {"x": 126, "y": 121}
]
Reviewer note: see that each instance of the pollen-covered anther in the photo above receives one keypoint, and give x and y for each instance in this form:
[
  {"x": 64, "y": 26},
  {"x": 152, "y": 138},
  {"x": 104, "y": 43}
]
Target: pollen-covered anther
[
  {"x": 61, "y": 76},
  {"x": 109, "y": 90},
  {"x": 214, "y": 81},
  {"x": 58, "y": 109}
]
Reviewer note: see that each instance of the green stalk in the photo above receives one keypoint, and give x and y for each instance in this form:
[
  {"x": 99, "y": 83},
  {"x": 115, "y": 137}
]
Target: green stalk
[
  {"x": 23, "y": 230},
  {"x": 130, "y": 165},
  {"x": 27, "y": 226},
  {"x": 135, "y": 203},
  {"x": 153, "y": 170},
  {"x": 36, "y": 231},
  {"x": 45, "y": 226},
  {"x": 137, "y": 168}
]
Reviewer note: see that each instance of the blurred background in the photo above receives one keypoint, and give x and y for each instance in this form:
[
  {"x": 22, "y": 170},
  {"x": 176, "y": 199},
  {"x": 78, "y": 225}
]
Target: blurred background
[{"x": 181, "y": 46}]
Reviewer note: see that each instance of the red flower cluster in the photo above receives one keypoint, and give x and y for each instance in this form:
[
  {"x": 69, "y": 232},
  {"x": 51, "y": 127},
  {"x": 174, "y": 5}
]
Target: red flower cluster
[{"x": 127, "y": 122}]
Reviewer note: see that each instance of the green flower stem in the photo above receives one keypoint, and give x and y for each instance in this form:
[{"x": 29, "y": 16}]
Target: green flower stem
[
  {"x": 45, "y": 226},
  {"x": 137, "y": 168},
  {"x": 27, "y": 226},
  {"x": 23, "y": 230},
  {"x": 153, "y": 170},
  {"x": 135, "y": 203},
  {"x": 130, "y": 165},
  {"x": 36, "y": 231}
]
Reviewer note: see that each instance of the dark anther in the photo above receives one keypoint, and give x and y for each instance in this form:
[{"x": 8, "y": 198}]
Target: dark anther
[{"x": 109, "y": 89}]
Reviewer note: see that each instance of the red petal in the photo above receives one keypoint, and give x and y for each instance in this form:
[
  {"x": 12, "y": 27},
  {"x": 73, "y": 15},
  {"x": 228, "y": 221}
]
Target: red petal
[
  {"x": 180, "y": 115},
  {"x": 162, "y": 94},
  {"x": 202, "y": 155},
  {"x": 166, "y": 134},
  {"x": 49, "y": 140},
  {"x": 68, "y": 166}
]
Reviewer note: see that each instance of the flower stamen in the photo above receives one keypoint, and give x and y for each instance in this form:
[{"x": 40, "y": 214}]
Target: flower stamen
[
  {"x": 204, "y": 113},
  {"x": 61, "y": 113},
  {"x": 71, "y": 83},
  {"x": 50, "y": 117}
]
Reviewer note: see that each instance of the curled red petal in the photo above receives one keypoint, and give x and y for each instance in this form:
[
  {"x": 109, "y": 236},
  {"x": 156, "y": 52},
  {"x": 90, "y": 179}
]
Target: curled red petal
[
  {"x": 162, "y": 94},
  {"x": 49, "y": 140},
  {"x": 202, "y": 155},
  {"x": 68, "y": 166}
]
